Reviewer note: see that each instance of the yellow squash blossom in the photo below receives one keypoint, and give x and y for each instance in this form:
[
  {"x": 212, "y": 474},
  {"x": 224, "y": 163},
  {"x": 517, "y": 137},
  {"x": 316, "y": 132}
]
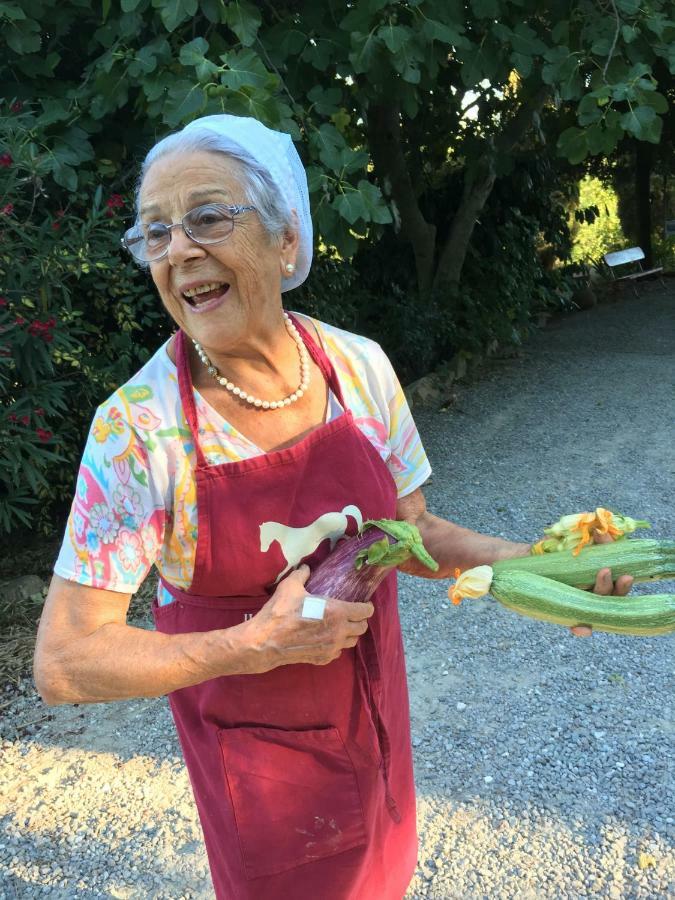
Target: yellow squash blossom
[
  {"x": 472, "y": 583},
  {"x": 575, "y": 531}
]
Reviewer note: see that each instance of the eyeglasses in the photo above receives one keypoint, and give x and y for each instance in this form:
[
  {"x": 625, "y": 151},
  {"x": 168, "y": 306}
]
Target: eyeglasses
[{"x": 208, "y": 224}]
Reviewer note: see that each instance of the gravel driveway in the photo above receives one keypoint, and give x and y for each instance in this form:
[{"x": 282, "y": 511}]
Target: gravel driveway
[{"x": 545, "y": 763}]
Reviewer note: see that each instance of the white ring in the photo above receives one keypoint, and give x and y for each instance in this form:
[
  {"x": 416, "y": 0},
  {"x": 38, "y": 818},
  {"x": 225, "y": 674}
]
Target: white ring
[{"x": 313, "y": 607}]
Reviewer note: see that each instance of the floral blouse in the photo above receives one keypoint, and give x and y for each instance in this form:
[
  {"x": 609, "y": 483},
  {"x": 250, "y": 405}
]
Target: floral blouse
[{"x": 135, "y": 499}]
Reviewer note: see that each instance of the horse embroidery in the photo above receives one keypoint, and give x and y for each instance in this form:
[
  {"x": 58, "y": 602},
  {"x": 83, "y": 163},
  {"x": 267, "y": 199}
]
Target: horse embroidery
[{"x": 297, "y": 543}]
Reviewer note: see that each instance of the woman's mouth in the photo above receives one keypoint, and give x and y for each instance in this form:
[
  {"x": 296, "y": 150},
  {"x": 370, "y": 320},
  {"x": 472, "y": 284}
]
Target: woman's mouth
[{"x": 206, "y": 296}]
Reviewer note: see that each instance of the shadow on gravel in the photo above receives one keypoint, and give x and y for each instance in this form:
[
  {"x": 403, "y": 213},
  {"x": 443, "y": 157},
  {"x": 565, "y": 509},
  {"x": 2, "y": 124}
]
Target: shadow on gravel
[
  {"x": 126, "y": 729},
  {"x": 90, "y": 866}
]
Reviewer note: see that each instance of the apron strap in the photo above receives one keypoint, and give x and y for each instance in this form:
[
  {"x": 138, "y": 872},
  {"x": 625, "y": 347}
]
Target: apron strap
[
  {"x": 187, "y": 396},
  {"x": 319, "y": 356}
]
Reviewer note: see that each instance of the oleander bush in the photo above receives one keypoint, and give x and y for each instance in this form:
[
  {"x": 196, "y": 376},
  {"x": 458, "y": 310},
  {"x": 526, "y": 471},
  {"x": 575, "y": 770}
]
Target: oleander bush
[{"x": 76, "y": 319}]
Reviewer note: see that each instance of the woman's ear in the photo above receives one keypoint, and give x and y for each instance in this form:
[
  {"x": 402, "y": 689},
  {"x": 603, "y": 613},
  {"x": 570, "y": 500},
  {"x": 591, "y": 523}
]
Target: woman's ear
[{"x": 289, "y": 245}]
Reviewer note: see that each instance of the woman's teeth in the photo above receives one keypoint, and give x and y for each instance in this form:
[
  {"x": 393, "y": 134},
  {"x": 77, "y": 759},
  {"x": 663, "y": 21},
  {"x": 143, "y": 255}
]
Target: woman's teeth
[{"x": 205, "y": 292}]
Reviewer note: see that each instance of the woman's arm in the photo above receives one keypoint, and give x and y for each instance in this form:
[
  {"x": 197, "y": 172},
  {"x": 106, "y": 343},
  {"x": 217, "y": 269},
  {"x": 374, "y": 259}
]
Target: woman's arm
[
  {"x": 452, "y": 546},
  {"x": 455, "y": 547},
  {"x": 86, "y": 652}
]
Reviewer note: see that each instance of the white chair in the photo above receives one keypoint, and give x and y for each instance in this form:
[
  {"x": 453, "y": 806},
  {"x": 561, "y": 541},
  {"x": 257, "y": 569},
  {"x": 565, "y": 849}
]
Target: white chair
[{"x": 632, "y": 255}]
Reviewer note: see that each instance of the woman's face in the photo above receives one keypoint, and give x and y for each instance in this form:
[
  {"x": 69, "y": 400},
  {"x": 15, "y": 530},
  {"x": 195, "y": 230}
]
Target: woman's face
[{"x": 246, "y": 267}]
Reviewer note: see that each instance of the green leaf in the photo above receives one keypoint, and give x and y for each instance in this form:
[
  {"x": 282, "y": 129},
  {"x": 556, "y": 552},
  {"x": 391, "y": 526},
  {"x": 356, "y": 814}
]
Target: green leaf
[
  {"x": 244, "y": 67},
  {"x": 629, "y": 33},
  {"x": 360, "y": 17},
  {"x": 433, "y": 30},
  {"x": 143, "y": 63},
  {"x": 350, "y": 205},
  {"x": 244, "y": 19},
  {"x": 23, "y": 37},
  {"x": 325, "y": 101},
  {"x": 485, "y": 9},
  {"x": 522, "y": 64},
  {"x": 173, "y": 12},
  {"x": 601, "y": 140},
  {"x": 572, "y": 144},
  {"x": 479, "y": 61},
  {"x": 643, "y": 123},
  {"x": 64, "y": 175},
  {"x": 212, "y": 10},
  {"x": 350, "y": 161},
  {"x": 588, "y": 110},
  {"x": 407, "y": 61},
  {"x": 657, "y": 101},
  {"x": 561, "y": 32},
  {"x": 194, "y": 54},
  {"x": 183, "y": 102},
  {"x": 129, "y": 5},
  {"x": 332, "y": 228},
  {"x": 317, "y": 180},
  {"x": 284, "y": 40},
  {"x": 378, "y": 211},
  {"x": 365, "y": 46},
  {"x": 11, "y": 12},
  {"x": 525, "y": 41},
  {"x": 394, "y": 36},
  {"x": 53, "y": 111}
]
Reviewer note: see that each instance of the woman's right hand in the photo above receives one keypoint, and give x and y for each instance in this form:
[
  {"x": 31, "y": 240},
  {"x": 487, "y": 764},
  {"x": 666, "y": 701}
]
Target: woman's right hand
[{"x": 279, "y": 636}]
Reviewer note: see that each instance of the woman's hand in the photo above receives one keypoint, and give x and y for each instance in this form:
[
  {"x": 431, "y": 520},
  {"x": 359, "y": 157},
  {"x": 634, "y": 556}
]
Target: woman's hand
[
  {"x": 605, "y": 585},
  {"x": 280, "y": 636}
]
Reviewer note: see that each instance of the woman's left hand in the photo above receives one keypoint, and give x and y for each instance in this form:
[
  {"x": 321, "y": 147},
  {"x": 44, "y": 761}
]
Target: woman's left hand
[{"x": 605, "y": 585}]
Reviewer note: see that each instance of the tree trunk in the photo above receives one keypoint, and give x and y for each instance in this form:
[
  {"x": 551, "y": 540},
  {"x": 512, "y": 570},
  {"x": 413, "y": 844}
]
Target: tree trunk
[
  {"x": 384, "y": 135},
  {"x": 644, "y": 162},
  {"x": 477, "y": 189}
]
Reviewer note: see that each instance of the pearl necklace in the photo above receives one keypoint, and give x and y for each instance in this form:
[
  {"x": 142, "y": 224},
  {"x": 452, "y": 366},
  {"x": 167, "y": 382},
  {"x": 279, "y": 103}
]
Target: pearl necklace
[{"x": 249, "y": 398}]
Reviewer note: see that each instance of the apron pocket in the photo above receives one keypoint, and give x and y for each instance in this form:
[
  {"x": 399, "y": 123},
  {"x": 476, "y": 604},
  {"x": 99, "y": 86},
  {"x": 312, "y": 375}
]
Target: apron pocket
[{"x": 294, "y": 794}]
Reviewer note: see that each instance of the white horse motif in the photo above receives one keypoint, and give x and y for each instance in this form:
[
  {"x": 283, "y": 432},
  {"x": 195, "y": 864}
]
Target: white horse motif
[{"x": 296, "y": 543}]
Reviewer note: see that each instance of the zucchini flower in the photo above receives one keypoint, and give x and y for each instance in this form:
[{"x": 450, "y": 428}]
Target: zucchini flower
[
  {"x": 575, "y": 531},
  {"x": 472, "y": 583}
]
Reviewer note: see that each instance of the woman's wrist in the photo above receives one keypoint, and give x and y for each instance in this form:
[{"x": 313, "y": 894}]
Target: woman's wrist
[{"x": 512, "y": 550}]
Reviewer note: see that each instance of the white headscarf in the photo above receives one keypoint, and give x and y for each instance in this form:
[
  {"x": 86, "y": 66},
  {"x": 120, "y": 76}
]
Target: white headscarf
[{"x": 274, "y": 151}]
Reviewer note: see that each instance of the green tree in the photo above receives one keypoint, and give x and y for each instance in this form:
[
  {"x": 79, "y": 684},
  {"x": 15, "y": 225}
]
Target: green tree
[{"x": 368, "y": 82}]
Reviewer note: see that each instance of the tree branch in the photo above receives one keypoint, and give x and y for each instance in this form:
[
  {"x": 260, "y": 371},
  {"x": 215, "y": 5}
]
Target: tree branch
[{"x": 479, "y": 180}]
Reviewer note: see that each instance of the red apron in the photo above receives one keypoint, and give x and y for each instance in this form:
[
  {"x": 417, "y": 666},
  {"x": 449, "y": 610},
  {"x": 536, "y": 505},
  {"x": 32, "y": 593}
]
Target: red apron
[{"x": 302, "y": 775}]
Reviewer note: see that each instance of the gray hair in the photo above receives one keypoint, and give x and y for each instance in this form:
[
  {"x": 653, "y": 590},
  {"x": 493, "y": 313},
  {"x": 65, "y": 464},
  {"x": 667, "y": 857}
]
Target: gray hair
[{"x": 259, "y": 188}]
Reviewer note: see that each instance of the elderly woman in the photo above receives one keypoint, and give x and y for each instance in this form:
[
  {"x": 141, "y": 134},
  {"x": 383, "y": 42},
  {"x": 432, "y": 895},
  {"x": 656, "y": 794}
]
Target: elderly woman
[{"x": 248, "y": 444}]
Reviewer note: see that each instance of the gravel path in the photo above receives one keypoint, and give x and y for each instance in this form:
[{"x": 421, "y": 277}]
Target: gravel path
[{"x": 544, "y": 762}]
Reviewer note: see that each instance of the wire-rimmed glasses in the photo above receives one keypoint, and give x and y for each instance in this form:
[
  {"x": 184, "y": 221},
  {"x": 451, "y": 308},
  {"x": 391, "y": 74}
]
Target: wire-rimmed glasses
[{"x": 207, "y": 224}]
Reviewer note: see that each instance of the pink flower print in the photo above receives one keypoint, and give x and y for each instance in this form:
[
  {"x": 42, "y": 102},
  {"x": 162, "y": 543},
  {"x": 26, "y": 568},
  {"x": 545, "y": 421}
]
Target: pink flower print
[
  {"x": 145, "y": 420},
  {"x": 150, "y": 543},
  {"x": 128, "y": 504},
  {"x": 130, "y": 550},
  {"x": 104, "y": 522}
]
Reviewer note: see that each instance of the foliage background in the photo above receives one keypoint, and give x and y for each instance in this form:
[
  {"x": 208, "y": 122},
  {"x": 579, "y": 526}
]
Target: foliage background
[{"x": 439, "y": 137}]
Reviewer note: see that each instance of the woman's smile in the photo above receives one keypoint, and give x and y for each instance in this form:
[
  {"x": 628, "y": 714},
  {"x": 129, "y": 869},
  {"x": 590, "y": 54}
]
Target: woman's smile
[{"x": 204, "y": 296}]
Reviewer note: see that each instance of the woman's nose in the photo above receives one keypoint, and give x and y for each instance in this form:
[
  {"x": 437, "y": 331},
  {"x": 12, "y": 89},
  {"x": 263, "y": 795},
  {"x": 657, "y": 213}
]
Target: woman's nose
[{"x": 181, "y": 247}]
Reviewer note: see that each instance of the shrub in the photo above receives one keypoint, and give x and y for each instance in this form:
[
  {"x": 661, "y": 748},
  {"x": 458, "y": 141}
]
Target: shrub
[{"x": 75, "y": 320}]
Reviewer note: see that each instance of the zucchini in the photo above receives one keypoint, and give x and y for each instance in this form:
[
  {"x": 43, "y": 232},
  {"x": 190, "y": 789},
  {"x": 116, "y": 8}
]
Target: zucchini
[
  {"x": 551, "y": 601},
  {"x": 645, "y": 560}
]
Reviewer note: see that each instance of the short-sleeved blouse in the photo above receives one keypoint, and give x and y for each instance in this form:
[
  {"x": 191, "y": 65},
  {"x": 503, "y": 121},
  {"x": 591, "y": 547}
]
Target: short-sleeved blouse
[{"x": 135, "y": 499}]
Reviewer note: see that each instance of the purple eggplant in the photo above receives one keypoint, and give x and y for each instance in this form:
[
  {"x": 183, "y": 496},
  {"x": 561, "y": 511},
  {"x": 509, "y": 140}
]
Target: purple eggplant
[{"x": 358, "y": 564}]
